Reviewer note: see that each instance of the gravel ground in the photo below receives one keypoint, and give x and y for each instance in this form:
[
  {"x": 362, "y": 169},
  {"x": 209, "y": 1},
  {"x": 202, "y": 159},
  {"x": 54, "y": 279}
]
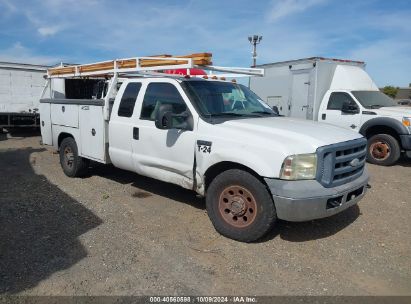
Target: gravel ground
[{"x": 117, "y": 233}]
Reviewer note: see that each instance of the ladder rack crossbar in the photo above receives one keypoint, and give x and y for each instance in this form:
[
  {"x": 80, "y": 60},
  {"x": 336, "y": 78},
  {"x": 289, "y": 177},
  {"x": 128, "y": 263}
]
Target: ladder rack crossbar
[
  {"x": 146, "y": 64},
  {"x": 127, "y": 65},
  {"x": 234, "y": 70}
]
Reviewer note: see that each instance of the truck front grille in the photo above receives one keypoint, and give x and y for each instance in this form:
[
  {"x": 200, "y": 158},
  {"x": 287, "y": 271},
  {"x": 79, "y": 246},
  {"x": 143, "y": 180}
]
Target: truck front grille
[{"x": 341, "y": 163}]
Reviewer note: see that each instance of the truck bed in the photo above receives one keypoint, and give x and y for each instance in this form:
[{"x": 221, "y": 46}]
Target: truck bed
[{"x": 83, "y": 118}]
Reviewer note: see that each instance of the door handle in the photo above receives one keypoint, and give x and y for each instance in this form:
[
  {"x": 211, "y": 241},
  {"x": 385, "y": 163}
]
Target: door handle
[
  {"x": 136, "y": 134},
  {"x": 85, "y": 108}
]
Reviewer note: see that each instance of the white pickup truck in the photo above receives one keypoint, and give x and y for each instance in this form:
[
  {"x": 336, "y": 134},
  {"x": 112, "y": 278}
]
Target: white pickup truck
[
  {"x": 338, "y": 92},
  {"x": 212, "y": 136}
]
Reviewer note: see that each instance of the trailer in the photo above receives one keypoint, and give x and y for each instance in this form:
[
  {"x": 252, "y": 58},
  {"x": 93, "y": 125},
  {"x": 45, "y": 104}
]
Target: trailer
[{"x": 20, "y": 87}]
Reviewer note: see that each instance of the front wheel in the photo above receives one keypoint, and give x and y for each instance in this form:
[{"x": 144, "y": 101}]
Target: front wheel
[
  {"x": 383, "y": 149},
  {"x": 73, "y": 165},
  {"x": 240, "y": 206}
]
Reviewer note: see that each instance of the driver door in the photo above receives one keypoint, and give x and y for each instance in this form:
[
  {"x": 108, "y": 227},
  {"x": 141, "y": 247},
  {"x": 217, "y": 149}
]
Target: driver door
[
  {"x": 332, "y": 111},
  {"x": 167, "y": 155}
]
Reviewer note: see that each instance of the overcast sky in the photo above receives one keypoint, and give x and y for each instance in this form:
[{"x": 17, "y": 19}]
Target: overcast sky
[{"x": 79, "y": 31}]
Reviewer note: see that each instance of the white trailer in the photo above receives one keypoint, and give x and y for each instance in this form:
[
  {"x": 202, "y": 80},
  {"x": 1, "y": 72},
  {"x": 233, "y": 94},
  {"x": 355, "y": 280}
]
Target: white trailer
[
  {"x": 20, "y": 88},
  {"x": 338, "y": 92}
]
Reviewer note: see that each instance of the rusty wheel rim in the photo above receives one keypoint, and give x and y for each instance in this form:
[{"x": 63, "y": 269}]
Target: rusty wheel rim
[
  {"x": 237, "y": 206},
  {"x": 380, "y": 150},
  {"x": 68, "y": 156}
]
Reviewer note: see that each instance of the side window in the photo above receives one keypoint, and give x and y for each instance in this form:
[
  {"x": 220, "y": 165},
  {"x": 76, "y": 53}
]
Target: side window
[
  {"x": 157, "y": 94},
  {"x": 128, "y": 100},
  {"x": 337, "y": 100}
]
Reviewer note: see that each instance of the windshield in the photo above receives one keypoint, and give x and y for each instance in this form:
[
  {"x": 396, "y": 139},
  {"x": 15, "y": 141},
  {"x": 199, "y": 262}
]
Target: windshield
[
  {"x": 373, "y": 99},
  {"x": 216, "y": 98}
]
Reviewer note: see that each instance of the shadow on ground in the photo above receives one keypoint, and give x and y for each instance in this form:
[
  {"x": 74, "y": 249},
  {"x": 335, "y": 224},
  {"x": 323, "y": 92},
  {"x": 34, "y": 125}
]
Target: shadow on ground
[
  {"x": 404, "y": 161},
  {"x": 290, "y": 231},
  {"x": 39, "y": 225},
  {"x": 313, "y": 230},
  {"x": 23, "y": 132},
  {"x": 145, "y": 185}
]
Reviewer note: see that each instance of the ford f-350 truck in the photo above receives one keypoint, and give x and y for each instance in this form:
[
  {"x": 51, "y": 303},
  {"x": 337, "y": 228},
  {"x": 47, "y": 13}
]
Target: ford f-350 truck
[{"x": 209, "y": 135}]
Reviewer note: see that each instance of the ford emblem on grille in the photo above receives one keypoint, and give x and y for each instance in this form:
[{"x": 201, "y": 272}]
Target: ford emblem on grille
[{"x": 355, "y": 162}]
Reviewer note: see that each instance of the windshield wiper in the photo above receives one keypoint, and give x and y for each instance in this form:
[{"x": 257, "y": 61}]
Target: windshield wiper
[
  {"x": 375, "y": 106},
  {"x": 263, "y": 112},
  {"x": 225, "y": 114}
]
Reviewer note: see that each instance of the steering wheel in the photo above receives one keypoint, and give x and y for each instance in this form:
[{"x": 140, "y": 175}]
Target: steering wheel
[{"x": 238, "y": 105}]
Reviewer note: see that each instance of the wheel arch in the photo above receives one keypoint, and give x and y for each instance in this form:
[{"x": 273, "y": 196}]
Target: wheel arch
[
  {"x": 383, "y": 125},
  {"x": 222, "y": 166},
  {"x": 62, "y": 136}
]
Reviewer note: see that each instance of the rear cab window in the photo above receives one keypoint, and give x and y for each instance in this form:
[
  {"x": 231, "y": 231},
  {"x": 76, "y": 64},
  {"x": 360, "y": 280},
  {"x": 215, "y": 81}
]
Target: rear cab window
[{"x": 128, "y": 100}]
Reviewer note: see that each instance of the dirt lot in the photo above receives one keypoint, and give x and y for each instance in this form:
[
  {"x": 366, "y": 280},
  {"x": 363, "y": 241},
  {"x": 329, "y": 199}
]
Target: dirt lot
[{"x": 118, "y": 233}]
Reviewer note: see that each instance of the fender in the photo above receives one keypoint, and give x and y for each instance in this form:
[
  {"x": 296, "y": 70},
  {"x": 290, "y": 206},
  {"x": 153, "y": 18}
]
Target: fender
[{"x": 383, "y": 121}]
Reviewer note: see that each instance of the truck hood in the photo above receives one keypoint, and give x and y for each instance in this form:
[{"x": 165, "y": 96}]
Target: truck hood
[
  {"x": 294, "y": 135},
  {"x": 397, "y": 111}
]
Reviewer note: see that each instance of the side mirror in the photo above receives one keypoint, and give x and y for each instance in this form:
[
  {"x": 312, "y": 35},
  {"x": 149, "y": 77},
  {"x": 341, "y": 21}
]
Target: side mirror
[
  {"x": 275, "y": 110},
  {"x": 163, "y": 118},
  {"x": 350, "y": 108}
]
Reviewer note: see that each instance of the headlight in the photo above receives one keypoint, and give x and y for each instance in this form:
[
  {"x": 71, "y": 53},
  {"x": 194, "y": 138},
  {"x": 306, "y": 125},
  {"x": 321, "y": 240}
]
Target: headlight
[
  {"x": 300, "y": 166},
  {"x": 406, "y": 121}
]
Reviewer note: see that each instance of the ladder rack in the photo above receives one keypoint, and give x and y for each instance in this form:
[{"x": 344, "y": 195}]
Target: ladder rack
[{"x": 143, "y": 65}]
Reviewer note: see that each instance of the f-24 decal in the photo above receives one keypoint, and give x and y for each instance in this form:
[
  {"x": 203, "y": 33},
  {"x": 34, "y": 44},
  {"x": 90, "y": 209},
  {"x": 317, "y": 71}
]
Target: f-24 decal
[{"x": 204, "y": 146}]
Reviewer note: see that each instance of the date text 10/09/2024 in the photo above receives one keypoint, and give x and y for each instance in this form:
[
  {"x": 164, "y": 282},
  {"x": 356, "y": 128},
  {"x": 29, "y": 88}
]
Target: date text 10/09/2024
[{"x": 222, "y": 299}]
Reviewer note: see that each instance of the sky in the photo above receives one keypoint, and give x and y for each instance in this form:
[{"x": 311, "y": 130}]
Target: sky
[{"x": 80, "y": 31}]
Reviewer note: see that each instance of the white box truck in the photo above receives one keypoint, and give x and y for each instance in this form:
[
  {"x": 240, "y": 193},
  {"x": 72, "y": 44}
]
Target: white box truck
[
  {"x": 206, "y": 134},
  {"x": 338, "y": 92},
  {"x": 20, "y": 87}
]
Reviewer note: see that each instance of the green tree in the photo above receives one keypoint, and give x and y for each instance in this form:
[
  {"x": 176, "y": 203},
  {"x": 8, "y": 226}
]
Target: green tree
[{"x": 390, "y": 91}]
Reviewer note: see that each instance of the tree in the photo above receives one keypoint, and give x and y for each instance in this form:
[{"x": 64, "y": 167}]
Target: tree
[{"x": 390, "y": 91}]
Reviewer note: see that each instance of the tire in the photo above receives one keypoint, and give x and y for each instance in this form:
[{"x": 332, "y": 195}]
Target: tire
[
  {"x": 72, "y": 164},
  {"x": 240, "y": 206},
  {"x": 383, "y": 150}
]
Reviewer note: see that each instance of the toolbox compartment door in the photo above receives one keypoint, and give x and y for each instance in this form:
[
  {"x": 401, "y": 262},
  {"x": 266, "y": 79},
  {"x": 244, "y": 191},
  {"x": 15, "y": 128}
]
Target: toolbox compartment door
[
  {"x": 45, "y": 124},
  {"x": 92, "y": 132},
  {"x": 64, "y": 114}
]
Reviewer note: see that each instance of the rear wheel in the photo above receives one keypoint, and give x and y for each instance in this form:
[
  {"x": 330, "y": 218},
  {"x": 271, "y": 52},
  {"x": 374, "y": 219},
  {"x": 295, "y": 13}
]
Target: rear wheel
[
  {"x": 240, "y": 206},
  {"x": 383, "y": 149},
  {"x": 73, "y": 165}
]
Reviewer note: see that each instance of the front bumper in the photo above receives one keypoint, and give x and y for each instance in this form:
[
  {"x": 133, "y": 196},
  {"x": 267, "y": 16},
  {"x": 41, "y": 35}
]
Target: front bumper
[{"x": 305, "y": 200}]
